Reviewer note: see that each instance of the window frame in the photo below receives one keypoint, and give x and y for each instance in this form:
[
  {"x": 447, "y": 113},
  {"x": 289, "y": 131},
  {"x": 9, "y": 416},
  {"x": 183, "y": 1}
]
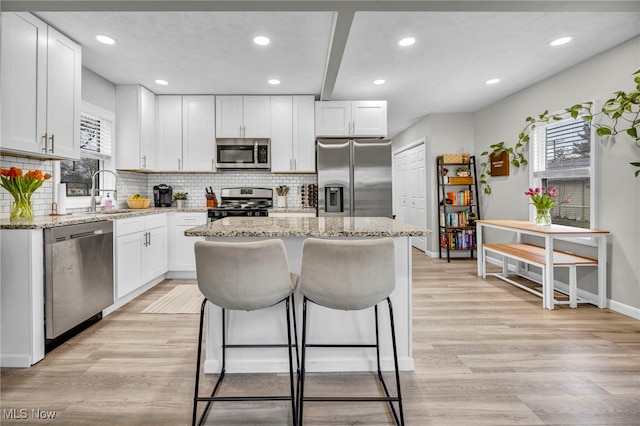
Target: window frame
[
  {"x": 106, "y": 179},
  {"x": 535, "y": 177}
]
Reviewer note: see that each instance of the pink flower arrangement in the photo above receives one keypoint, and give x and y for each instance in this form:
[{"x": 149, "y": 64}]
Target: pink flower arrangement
[{"x": 545, "y": 199}]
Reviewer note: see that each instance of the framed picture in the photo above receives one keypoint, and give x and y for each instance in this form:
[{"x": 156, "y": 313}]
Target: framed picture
[{"x": 499, "y": 164}]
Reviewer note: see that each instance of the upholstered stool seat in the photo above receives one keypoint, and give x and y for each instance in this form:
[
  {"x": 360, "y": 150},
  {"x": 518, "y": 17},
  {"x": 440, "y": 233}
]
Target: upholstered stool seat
[
  {"x": 349, "y": 275},
  {"x": 244, "y": 276}
]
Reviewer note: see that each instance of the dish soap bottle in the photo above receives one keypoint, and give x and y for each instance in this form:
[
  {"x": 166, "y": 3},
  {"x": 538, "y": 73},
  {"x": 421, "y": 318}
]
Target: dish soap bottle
[{"x": 107, "y": 202}]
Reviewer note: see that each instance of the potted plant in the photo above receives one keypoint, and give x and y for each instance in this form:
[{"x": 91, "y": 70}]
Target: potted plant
[{"x": 179, "y": 198}]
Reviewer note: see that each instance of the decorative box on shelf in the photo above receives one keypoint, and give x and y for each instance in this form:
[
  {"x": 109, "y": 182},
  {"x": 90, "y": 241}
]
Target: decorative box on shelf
[
  {"x": 455, "y": 158},
  {"x": 460, "y": 180}
]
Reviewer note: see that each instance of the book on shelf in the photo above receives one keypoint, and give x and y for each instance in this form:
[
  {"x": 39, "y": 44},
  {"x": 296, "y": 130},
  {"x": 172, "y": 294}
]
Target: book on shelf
[
  {"x": 459, "y": 239},
  {"x": 461, "y": 198}
]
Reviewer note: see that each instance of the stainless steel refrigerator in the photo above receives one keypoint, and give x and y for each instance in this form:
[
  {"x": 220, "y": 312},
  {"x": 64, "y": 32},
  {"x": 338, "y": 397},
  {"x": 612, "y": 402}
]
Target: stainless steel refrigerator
[{"x": 354, "y": 177}]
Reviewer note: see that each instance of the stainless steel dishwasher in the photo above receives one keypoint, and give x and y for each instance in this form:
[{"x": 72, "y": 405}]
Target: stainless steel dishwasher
[{"x": 78, "y": 275}]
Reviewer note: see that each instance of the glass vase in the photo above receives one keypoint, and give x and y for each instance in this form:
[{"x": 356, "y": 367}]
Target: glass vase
[
  {"x": 543, "y": 217},
  {"x": 21, "y": 208}
]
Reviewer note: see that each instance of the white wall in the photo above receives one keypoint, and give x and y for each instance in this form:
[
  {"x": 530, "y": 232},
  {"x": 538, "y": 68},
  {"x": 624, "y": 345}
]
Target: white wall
[
  {"x": 618, "y": 190},
  {"x": 98, "y": 91}
]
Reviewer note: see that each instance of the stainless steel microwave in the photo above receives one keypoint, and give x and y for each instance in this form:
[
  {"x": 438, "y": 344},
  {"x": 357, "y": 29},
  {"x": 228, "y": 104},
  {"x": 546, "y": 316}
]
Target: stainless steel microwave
[{"x": 243, "y": 154}]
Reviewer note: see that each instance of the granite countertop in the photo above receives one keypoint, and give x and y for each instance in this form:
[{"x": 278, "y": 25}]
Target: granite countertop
[
  {"x": 293, "y": 210},
  {"x": 307, "y": 227},
  {"x": 42, "y": 222}
]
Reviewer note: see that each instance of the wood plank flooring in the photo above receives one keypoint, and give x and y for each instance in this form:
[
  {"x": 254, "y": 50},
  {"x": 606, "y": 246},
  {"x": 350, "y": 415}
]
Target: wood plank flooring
[{"x": 486, "y": 353}]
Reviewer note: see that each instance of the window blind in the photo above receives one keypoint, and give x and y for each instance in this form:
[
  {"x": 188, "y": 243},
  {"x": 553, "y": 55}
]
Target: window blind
[{"x": 95, "y": 136}]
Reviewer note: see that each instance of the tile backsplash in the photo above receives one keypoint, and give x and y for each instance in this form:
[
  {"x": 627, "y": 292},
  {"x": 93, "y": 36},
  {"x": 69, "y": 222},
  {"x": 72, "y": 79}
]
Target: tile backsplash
[
  {"x": 41, "y": 199},
  {"x": 130, "y": 183}
]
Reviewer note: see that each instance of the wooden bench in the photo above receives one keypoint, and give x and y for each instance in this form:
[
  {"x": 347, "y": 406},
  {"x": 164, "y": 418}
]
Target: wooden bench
[{"x": 535, "y": 255}]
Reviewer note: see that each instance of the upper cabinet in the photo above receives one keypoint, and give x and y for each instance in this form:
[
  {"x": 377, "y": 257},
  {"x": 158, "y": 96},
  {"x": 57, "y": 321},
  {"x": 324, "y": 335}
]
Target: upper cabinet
[
  {"x": 243, "y": 117},
  {"x": 351, "y": 119},
  {"x": 292, "y": 134},
  {"x": 186, "y": 133},
  {"x": 40, "y": 83},
  {"x": 135, "y": 128}
]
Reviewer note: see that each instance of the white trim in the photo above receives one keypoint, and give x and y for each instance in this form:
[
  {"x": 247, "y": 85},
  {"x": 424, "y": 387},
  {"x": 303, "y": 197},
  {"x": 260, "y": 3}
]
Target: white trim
[{"x": 413, "y": 144}]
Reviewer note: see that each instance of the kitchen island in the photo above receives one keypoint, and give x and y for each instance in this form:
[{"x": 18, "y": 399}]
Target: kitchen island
[{"x": 325, "y": 325}]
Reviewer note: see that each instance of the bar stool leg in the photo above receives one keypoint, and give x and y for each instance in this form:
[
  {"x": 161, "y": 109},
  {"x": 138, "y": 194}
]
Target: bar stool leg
[
  {"x": 395, "y": 361},
  {"x": 199, "y": 358},
  {"x": 302, "y": 362},
  {"x": 289, "y": 351}
]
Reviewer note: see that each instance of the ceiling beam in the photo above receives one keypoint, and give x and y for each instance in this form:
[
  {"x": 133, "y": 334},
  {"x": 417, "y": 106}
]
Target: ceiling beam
[
  {"x": 321, "y": 5},
  {"x": 338, "y": 42}
]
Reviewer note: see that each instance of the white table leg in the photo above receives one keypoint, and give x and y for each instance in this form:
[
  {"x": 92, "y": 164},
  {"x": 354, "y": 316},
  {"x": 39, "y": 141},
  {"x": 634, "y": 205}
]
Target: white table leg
[
  {"x": 602, "y": 271},
  {"x": 548, "y": 273},
  {"x": 480, "y": 251}
]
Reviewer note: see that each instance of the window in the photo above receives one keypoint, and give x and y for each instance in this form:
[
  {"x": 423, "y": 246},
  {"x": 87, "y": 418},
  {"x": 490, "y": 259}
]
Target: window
[
  {"x": 563, "y": 157},
  {"x": 95, "y": 147}
]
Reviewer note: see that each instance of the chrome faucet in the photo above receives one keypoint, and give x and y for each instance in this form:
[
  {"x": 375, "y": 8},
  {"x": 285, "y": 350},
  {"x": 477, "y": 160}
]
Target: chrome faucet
[{"x": 93, "y": 188}]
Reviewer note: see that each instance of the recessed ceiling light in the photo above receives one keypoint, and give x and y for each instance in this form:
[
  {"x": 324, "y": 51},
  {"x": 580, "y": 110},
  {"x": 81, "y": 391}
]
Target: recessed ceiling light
[
  {"x": 380, "y": 81},
  {"x": 162, "y": 82},
  {"x": 274, "y": 81},
  {"x": 261, "y": 40},
  {"x": 560, "y": 41},
  {"x": 493, "y": 81},
  {"x": 408, "y": 41},
  {"x": 105, "y": 39}
]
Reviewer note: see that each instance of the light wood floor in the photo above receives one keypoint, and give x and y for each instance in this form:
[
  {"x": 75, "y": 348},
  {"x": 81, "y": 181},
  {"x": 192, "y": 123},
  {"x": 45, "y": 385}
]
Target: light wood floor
[{"x": 486, "y": 353}]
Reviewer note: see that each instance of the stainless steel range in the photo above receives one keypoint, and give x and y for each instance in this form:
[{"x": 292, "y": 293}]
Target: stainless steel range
[{"x": 242, "y": 202}]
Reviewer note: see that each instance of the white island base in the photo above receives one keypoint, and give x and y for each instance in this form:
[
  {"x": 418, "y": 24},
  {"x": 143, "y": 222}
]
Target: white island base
[{"x": 324, "y": 326}]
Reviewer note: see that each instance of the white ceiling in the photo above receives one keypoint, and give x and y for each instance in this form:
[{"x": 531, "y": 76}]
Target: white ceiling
[{"x": 335, "y": 50}]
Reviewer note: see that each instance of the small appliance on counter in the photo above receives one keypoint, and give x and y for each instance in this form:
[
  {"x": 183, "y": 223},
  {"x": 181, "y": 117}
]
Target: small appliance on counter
[{"x": 162, "y": 195}]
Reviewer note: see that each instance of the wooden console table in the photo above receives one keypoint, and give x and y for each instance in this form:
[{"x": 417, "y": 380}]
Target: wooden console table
[{"x": 549, "y": 233}]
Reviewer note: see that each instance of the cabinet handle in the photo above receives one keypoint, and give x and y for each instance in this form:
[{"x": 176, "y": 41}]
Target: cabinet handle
[
  {"x": 46, "y": 142},
  {"x": 144, "y": 161},
  {"x": 179, "y": 167},
  {"x": 213, "y": 164},
  {"x": 149, "y": 234},
  {"x": 51, "y": 138},
  {"x": 292, "y": 164}
]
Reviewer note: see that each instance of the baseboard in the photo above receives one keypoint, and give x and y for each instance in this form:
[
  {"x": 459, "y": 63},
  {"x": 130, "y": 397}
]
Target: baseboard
[
  {"x": 129, "y": 297},
  {"x": 15, "y": 360}
]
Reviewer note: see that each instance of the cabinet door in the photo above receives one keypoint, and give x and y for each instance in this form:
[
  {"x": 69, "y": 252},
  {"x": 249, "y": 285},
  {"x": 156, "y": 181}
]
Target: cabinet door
[
  {"x": 304, "y": 141},
  {"x": 135, "y": 127},
  {"x": 147, "y": 126},
  {"x": 130, "y": 252},
  {"x": 169, "y": 133},
  {"x": 156, "y": 260},
  {"x": 282, "y": 157},
  {"x": 23, "y": 82},
  {"x": 64, "y": 68},
  {"x": 256, "y": 116},
  {"x": 228, "y": 116},
  {"x": 181, "y": 252},
  {"x": 333, "y": 118},
  {"x": 198, "y": 133},
  {"x": 369, "y": 118}
]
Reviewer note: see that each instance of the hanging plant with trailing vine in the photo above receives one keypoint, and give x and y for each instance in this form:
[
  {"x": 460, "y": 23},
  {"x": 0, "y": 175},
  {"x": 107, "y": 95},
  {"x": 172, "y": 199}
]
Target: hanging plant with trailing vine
[{"x": 622, "y": 111}]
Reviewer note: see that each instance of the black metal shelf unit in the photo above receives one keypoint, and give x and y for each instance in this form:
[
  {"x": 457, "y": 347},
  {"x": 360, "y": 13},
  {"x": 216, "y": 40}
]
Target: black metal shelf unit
[{"x": 458, "y": 207}]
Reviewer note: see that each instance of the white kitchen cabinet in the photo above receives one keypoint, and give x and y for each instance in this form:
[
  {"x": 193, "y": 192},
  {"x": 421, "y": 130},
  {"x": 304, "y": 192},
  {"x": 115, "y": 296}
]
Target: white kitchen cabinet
[
  {"x": 243, "y": 117},
  {"x": 169, "y": 133},
  {"x": 186, "y": 133},
  {"x": 135, "y": 128},
  {"x": 141, "y": 251},
  {"x": 181, "y": 252},
  {"x": 41, "y": 83},
  {"x": 292, "y": 134},
  {"x": 351, "y": 119}
]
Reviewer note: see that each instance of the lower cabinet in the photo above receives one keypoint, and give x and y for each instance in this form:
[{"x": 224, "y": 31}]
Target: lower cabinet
[
  {"x": 141, "y": 251},
  {"x": 182, "y": 256}
]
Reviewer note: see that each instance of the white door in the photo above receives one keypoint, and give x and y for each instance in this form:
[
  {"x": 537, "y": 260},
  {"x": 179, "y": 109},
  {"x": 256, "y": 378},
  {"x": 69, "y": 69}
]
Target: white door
[
  {"x": 281, "y": 134},
  {"x": 228, "y": 116},
  {"x": 198, "y": 133},
  {"x": 169, "y": 113},
  {"x": 256, "y": 116},
  {"x": 411, "y": 184}
]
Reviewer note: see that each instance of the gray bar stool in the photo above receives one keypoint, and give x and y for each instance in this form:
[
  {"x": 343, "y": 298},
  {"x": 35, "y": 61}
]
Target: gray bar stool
[
  {"x": 244, "y": 277},
  {"x": 349, "y": 275}
]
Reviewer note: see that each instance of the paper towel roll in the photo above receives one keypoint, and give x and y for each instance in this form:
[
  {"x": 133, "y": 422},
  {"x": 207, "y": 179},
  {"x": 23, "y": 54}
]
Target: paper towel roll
[{"x": 62, "y": 198}]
